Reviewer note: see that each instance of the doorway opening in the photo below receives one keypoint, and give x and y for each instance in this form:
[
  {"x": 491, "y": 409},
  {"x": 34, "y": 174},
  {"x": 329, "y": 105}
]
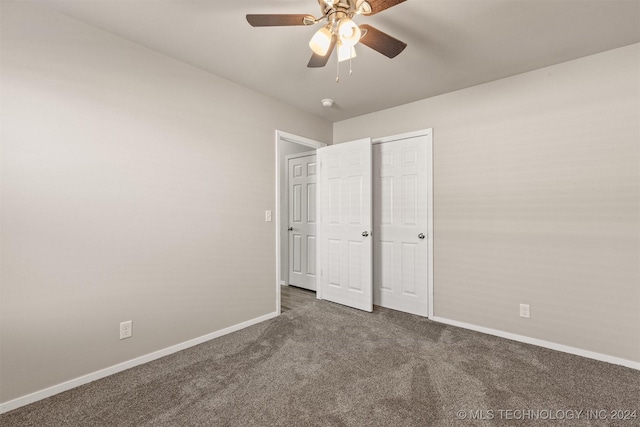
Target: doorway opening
[{"x": 287, "y": 145}]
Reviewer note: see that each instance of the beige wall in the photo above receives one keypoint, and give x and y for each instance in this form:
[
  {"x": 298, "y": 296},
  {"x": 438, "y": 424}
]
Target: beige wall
[
  {"x": 133, "y": 188},
  {"x": 537, "y": 200}
]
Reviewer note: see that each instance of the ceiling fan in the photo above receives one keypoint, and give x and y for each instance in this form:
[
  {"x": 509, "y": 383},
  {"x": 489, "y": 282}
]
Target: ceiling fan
[{"x": 338, "y": 29}]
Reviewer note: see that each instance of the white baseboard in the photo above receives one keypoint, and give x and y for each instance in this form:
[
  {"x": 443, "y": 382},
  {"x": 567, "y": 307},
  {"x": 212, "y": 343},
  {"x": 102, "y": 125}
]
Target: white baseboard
[
  {"x": 85, "y": 379},
  {"x": 541, "y": 343}
]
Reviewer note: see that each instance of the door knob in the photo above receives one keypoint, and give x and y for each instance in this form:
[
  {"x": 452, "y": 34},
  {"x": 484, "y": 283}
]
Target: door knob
[
  {"x": 421, "y": 236},
  {"x": 365, "y": 234},
  {"x": 290, "y": 228}
]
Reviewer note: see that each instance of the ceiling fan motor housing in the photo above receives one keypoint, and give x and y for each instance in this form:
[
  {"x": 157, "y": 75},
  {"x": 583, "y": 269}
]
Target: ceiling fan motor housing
[{"x": 334, "y": 11}]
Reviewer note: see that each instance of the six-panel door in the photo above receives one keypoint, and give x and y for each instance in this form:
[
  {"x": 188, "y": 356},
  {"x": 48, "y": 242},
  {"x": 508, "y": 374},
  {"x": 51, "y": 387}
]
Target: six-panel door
[
  {"x": 400, "y": 216},
  {"x": 302, "y": 186},
  {"x": 345, "y": 245}
]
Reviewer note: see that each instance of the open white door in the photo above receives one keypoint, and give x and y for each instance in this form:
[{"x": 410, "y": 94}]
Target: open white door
[{"x": 344, "y": 235}]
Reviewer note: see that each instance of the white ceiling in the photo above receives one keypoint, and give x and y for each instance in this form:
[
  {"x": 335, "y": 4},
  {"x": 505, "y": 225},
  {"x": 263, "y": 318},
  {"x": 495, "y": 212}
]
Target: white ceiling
[{"x": 452, "y": 44}]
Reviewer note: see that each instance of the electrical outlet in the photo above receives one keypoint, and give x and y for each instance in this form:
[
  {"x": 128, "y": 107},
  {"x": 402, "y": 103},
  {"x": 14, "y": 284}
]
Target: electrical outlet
[
  {"x": 126, "y": 329},
  {"x": 525, "y": 311}
]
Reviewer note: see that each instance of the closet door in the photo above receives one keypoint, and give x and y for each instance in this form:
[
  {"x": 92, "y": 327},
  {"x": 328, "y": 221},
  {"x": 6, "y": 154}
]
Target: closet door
[
  {"x": 400, "y": 247},
  {"x": 345, "y": 224}
]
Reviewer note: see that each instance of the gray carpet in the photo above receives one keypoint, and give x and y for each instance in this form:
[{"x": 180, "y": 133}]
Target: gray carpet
[{"x": 326, "y": 365}]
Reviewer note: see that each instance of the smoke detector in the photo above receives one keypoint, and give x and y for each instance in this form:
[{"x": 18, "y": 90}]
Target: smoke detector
[{"x": 328, "y": 102}]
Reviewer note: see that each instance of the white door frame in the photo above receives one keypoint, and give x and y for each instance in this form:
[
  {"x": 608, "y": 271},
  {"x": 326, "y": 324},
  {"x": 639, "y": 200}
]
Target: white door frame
[
  {"x": 285, "y": 137},
  {"x": 428, "y": 133}
]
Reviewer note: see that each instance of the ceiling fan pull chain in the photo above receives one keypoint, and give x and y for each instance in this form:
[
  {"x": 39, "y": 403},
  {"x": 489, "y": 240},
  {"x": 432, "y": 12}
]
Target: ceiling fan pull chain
[{"x": 337, "y": 71}]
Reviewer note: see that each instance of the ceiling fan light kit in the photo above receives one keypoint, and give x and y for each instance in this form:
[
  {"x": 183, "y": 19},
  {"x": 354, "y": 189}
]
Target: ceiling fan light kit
[
  {"x": 321, "y": 41},
  {"x": 348, "y": 32},
  {"x": 339, "y": 29}
]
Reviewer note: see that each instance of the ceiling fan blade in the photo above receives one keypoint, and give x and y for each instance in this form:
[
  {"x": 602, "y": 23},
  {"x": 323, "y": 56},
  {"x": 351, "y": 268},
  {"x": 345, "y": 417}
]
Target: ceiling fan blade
[
  {"x": 381, "y": 42},
  {"x": 318, "y": 61},
  {"x": 277, "y": 20},
  {"x": 380, "y": 5}
]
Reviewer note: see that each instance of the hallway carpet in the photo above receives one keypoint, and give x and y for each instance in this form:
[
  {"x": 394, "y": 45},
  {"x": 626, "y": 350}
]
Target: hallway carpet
[{"x": 321, "y": 364}]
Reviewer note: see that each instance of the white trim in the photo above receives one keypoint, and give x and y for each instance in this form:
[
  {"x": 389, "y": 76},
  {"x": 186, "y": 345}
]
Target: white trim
[
  {"x": 430, "y": 230},
  {"x": 541, "y": 343},
  {"x": 408, "y": 135},
  {"x": 85, "y": 379},
  {"x": 287, "y": 137},
  {"x": 428, "y": 133},
  {"x": 298, "y": 156},
  {"x": 277, "y": 227}
]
